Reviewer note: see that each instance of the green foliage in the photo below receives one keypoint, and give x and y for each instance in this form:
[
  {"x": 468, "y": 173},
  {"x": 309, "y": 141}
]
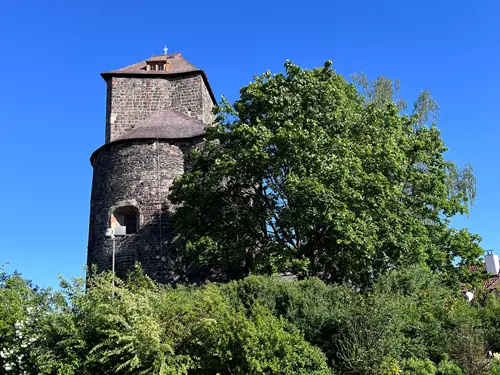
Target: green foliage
[
  {"x": 262, "y": 344},
  {"x": 415, "y": 366},
  {"x": 408, "y": 314},
  {"x": 380, "y": 92},
  {"x": 389, "y": 366},
  {"x": 469, "y": 350},
  {"x": 410, "y": 322},
  {"x": 490, "y": 315},
  {"x": 138, "y": 327},
  {"x": 305, "y": 174},
  {"x": 21, "y": 306},
  {"x": 446, "y": 367},
  {"x": 495, "y": 366}
]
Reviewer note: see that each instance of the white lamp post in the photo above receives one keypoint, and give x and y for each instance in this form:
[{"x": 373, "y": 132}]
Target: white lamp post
[{"x": 119, "y": 231}]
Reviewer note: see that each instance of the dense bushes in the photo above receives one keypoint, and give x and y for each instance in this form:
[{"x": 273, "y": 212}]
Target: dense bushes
[{"x": 407, "y": 324}]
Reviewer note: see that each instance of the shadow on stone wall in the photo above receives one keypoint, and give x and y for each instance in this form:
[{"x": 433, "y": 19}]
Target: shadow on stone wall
[
  {"x": 160, "y": 252},
  {"x": 152, "y": 246}
]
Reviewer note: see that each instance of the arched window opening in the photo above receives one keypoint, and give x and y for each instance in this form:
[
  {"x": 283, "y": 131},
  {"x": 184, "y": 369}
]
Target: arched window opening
[{"x": 126, "y": 216}]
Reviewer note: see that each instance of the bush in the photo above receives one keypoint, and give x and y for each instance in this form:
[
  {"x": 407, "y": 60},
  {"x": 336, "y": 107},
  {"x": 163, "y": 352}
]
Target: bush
[
  {"x": 259, "y": 325},
  {"x": 415, "y": 366},
  {"x": 495, "y": 364},
  {"x": 489, "y": 317},
  {"x": 446, "y": 367},
  {"x": 141, "y": 328}
]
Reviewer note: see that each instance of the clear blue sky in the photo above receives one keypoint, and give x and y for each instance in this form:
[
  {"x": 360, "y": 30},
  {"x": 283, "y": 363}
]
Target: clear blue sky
[{"x": 52, "y": 98}]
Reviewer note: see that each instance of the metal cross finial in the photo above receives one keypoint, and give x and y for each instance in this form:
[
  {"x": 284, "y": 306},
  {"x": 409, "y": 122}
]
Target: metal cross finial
[{"x": 165, "y": 49}]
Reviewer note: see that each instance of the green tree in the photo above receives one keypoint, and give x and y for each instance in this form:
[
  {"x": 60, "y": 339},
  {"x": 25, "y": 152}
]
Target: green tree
[{"x": 305, "y": 174}]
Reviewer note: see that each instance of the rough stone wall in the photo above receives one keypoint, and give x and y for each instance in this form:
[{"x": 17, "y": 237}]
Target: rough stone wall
[
  {"x": 208, "y": 105},
  {"x": 132, "y": 100},
  {"x": 136, "y": 173}
]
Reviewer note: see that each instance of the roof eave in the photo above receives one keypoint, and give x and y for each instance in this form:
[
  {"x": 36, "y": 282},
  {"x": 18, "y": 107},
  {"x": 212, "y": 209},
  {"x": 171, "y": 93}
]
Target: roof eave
[
  {"x": 125, "y": 140},
  {"x": 108, "y": 75}
]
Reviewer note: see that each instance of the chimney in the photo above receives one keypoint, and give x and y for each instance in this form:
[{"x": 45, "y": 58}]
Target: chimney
[{"x": 492, "y": 265}]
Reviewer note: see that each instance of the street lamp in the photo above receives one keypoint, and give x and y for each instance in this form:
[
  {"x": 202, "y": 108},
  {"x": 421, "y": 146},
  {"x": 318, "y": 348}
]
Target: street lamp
[{"x": 119, "y": 231}]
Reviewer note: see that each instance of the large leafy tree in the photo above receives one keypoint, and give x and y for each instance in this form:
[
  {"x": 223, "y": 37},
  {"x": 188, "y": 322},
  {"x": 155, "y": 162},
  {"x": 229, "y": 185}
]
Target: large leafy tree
[{"x": 305, "y": 173}]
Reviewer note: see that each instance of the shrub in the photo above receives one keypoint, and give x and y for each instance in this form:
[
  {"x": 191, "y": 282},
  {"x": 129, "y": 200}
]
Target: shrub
[
  {"x": 415, "y": 366},
  {"x": 258, "y": 325},
  {"x": 446, "y": 367}
]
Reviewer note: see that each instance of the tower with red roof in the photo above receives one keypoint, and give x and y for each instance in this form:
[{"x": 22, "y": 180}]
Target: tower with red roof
[{"x": 156, "y": 112}]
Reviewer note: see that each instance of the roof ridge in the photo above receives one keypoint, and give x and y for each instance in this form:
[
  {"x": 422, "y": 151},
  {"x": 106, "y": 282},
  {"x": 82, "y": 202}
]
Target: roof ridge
[
  {"x": 168, "y": 54},
  {"x": 177, "y": 64}
]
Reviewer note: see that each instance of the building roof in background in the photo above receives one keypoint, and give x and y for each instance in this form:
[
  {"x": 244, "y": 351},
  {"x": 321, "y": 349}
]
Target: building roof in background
[{"x": 492, "y": 282}]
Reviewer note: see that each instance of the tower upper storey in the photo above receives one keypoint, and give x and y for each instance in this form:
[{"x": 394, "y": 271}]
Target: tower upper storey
[{"x": 142, "y": 91}]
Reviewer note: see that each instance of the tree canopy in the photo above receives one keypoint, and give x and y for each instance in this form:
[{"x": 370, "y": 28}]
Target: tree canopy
[{"x": 311, "y": 174}]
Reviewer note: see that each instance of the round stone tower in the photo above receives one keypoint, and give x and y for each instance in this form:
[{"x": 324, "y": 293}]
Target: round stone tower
[{"x": 156, "y": 112}]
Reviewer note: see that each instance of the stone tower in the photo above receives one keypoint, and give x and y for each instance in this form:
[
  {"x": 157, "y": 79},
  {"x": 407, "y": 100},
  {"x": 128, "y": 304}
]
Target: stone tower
[{"x": 156, "y": 112}]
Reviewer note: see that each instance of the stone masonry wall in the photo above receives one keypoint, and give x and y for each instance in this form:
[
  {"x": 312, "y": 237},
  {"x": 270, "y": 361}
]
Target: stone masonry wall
[
  {"x": 136, "y": 173},
  {"x": 208, "y": 105},
  {"x": 132, "y": 100}
]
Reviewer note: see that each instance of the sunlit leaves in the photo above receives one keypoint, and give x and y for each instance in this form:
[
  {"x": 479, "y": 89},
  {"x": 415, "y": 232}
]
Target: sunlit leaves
[{"x": 306, "y": 174}]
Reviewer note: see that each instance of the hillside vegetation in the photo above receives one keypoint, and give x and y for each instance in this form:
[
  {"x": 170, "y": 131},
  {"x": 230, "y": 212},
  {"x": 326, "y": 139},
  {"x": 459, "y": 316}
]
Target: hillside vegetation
[{"x": 409, "y": 323}]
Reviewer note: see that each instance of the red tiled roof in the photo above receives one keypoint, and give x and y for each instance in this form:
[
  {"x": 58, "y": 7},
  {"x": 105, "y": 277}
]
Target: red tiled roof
[
  {"x": 175, "y": 64},
  {"x": 480, "y": 268},
  {"x": 493, "y": 282}
]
